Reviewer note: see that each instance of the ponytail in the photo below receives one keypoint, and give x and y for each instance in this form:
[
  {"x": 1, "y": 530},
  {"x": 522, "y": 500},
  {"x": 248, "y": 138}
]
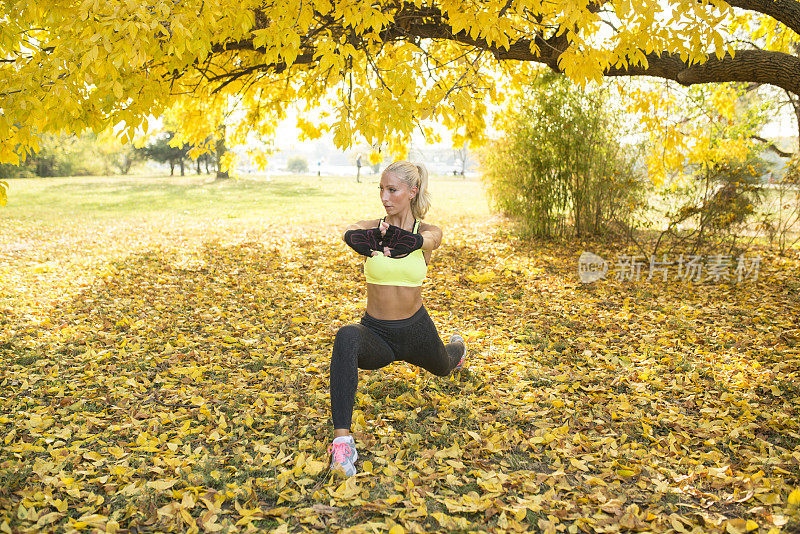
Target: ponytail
[{"x": 414, "y": 175}]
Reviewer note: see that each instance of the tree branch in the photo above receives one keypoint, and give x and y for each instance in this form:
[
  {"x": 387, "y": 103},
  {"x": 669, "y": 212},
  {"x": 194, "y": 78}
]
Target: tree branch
[
  {"x": 754, "y": 66},
  {"x": 771, "y": 146}
]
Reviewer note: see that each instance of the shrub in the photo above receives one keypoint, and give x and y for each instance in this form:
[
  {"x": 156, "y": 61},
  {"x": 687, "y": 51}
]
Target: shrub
[
  {"x": 559, "y": 166},
  {"x": 297, "y": 165},
  {"x": 715, "y": 205}
]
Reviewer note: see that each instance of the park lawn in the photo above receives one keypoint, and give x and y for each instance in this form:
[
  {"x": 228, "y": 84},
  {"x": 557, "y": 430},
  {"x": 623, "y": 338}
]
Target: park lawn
[{"x": 165, "y": 347}]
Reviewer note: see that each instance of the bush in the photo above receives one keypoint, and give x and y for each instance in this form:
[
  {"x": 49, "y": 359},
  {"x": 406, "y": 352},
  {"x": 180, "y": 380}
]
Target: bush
[
  {"x": 714, "y": 207},
  {"x": 560, "y": 167},
  {"x": 72, "y": 155},
  {"x": 297, "y": 165}
]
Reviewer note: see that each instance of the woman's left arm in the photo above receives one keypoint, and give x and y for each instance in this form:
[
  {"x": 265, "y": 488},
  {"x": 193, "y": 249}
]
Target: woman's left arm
[{"x": 431, "y": 237}]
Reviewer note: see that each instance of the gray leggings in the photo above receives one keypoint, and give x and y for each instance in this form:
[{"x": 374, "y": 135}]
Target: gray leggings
[{"x": 375, "y": 343}]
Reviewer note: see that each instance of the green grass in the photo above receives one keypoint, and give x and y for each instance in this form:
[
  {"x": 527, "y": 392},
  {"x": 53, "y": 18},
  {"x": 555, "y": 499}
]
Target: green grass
[{"x": 50, "y": 201}]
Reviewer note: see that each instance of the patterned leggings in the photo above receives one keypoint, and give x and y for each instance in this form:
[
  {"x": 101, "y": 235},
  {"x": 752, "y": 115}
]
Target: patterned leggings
[{"x": 375, "y": 343}]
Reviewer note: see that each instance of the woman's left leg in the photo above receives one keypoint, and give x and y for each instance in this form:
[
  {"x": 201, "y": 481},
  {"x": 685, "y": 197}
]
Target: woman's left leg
[{"x": 421, "y": 346}]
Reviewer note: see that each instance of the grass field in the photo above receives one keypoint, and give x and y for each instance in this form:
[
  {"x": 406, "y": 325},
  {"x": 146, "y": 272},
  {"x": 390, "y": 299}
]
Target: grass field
[
  {"x": 165, "y": 347},
  {"x": 56, "y": 232}
]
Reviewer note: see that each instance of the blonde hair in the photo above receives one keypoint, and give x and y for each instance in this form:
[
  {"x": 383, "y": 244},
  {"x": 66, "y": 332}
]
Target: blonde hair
[{"x": 413, "y": 175}]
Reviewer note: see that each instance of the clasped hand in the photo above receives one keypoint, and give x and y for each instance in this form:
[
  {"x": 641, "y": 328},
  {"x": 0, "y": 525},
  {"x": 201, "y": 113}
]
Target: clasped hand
[{"x": 386, "y": 239}]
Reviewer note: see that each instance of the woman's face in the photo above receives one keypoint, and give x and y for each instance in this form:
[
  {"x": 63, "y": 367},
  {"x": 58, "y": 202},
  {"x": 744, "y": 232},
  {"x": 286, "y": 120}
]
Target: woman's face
[{"x": 395, "y": 194}]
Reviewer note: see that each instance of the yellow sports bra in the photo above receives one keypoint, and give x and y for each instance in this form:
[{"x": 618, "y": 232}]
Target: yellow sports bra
[{"x": 406, "y": 271}]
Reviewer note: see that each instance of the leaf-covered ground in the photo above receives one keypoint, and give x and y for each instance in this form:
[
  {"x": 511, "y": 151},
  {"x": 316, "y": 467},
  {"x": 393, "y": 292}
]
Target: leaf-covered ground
[{"x": 161, "y": 377}]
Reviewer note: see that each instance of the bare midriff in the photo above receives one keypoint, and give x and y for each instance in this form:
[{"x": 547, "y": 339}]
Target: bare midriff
[{"x": 394, "y": 302}]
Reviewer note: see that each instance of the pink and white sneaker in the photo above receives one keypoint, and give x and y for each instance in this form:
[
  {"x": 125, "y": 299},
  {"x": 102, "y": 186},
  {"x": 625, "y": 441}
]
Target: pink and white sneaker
[
  {"x": 344, "y": 455},
  {"x": 457, "y": 337}
]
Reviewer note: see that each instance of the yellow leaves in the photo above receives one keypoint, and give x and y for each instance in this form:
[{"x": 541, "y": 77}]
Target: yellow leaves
[
  {"x": 582, "y": 66},
  {"x": 308, "y": 465},
  {"x": 482, "y": 295},
  {"x": 483, "y": 277},
  {"x": 492, "y": 481},
  {"x": 39, "y": 423},
  {"x": 347, "y": 490},
  {"x": 193, "y": 372},
  {"x": 579, "y": 464},
  {"x": 93, "y": 456},
  {"x": 449, "y": 522},
  {"x": 3, "y": 192},
  {"x": 161, "y": 485},
  {"x": 531, "y": 428},
  {"x": 469, "y": 503},
  {"x": 723, "y": 99},
  {"x": 308, "y": 129},
  {"x": 454, "y": 451},
  {"x": 794, "y": 497},
  {"x": 49, "y": 518},
  {"x": 740, "y": 526},
  {"x": 263, "y": 37}
]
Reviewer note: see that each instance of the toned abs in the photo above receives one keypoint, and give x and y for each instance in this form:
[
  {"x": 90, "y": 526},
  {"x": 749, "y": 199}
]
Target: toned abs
[{"x": 394, "y": 302}]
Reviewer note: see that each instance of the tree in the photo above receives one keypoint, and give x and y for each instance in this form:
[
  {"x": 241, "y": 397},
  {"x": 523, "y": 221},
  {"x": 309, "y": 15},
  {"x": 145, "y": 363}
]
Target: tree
[
  {"x": 297, "y": 165},
  {"x": 78, "y": 155},
  {"x": 460, "y": 156},
  {"x": 68, "y": 66},
  {"x": 161, "y": 150},
  {"x": 220, "y": 153}
]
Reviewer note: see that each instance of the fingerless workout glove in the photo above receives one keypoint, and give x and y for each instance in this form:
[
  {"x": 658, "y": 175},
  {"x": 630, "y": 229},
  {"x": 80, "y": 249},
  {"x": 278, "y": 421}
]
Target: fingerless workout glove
[
  {"x": 401, "y": 242},
  {"x": 364, "y": 241}
]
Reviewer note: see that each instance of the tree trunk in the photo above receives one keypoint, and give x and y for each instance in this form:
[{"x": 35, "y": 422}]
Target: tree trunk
[
  {"x": 182, "y": 167},
  {"x": 172, "y": 167},
  {"x": 197, "y": 162},
  {"x": 220, "y": 150},
  {"x": 795, "y": 99}
]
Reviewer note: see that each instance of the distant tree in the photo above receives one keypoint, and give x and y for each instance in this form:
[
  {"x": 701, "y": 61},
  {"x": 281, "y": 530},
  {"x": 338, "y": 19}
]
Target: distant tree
[
  {"x": 460, "y": 159},
  {"x": 87, "y": 154},
  {"x": 220, "y": 150},
  {"x": 161, "y": 151},
  {"x": 126, "y": 158},
  {"x": 297, "y": 165}
]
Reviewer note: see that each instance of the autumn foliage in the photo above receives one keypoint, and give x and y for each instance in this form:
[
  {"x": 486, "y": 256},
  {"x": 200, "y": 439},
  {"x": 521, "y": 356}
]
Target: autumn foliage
[
  {"x": 69, "y": 66},
  {"x": 179, "y": 381}
]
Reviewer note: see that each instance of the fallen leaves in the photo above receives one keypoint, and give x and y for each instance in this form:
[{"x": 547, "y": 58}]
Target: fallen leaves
[{"x": 189, "y": 391}]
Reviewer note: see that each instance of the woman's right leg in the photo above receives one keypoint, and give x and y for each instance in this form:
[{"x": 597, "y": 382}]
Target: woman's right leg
[{"x": 354, "y": 347}]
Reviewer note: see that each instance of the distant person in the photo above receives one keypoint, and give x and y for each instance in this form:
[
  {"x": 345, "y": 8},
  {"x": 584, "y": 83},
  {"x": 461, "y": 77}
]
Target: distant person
[
  {"x": 358, "y": 168},
  {"x": 395, "y": 325}
]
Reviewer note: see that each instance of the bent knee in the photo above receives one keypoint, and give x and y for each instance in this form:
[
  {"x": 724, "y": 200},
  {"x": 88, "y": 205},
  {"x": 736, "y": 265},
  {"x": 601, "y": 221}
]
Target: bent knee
[
  {"x": 348, "y": 336},
  {"x": 348, "y": 333}
]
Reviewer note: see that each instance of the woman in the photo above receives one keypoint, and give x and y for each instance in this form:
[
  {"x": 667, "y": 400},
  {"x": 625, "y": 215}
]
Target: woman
[{"x": 395, "y": 326}]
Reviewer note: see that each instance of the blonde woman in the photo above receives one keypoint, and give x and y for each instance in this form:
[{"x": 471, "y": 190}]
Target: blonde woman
[{"x": 395, "y": 326}]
